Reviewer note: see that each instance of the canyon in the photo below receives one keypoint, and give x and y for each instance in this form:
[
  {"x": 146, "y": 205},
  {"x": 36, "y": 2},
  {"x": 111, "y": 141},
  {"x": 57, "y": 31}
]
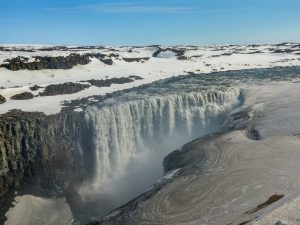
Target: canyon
[{"x": 95, "y": 153}]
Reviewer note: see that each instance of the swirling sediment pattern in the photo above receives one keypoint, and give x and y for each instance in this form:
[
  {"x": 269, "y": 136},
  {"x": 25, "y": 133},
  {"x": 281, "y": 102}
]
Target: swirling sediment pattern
[{"x": 233, "y": 176}]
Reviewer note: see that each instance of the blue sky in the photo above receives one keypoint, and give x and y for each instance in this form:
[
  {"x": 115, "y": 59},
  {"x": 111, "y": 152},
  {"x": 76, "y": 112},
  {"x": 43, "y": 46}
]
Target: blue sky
[{"x": 144, "y": 22}]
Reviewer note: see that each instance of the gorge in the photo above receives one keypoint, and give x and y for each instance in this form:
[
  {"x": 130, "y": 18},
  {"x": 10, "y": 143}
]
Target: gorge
[
  {"x": 102, "y": 151},
  {"x": 114, "y": 147}
]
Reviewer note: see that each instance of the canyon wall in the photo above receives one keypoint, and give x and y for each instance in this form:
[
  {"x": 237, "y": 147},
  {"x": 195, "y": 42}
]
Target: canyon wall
[{"x": 46, "y": 151}]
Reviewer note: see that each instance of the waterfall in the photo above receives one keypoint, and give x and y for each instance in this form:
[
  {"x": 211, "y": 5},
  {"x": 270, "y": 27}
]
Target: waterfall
[{"x": 125, "y": 129}]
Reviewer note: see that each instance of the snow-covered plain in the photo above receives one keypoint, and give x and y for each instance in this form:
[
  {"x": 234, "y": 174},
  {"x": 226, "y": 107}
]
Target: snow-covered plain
[{"x": 166, "y": 64}]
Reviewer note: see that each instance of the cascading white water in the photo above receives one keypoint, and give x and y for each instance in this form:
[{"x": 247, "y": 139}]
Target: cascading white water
[{"x": 125, "y": 130}]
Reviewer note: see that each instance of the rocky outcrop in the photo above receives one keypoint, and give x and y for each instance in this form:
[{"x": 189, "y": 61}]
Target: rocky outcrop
[
  {"x": 23, "y": 96},
  {"x": 142, "y": 59},
  {"x": 2, "y": 99},
  {"x": 46, "y": 62},
  {"x": 62, "y": 89},
  {"x": 35, "y": 88},
  {"x": 103, "y": 58},
  {"x": 59, "y": 62},
  {"x": 71, "y": 88},
  {"x": 179, "y": 52},
  {"x": 109, "y": 82}
]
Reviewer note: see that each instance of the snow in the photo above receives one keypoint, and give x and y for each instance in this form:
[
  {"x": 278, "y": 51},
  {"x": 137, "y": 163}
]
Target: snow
[
  {"x": 275, "y": 107},
  {"x": 207, "y": 59}
]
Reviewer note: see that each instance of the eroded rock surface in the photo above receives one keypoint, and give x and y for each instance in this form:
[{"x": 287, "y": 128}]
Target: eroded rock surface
[
  {"x": 143, "y": 59},
  {"x": 23, "y": 96},
  {"x": 2, "y": 99},
  {"x": 62, "y": 89},
  {"x": 59, "y": 62}
]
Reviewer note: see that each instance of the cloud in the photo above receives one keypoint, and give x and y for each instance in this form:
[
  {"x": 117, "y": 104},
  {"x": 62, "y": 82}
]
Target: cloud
[
  {"x": 223, "y": 10},
  {"x": 136, "y": 7},
  {"x": 150, "y": 9},
  {"x": 25, "y": 20},
  {"x": 127, "y": 7}
]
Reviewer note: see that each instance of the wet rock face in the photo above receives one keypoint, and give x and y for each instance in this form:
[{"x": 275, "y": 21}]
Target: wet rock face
[
  {"x": 59, "y": 62},
  {"x": 23, "y": 96},
  {"x": 2, "y": 99},
  {"x": 42, "y": 151}
]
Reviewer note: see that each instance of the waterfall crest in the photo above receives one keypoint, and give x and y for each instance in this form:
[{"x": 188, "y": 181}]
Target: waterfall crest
[{"x": 157, "y": 123}]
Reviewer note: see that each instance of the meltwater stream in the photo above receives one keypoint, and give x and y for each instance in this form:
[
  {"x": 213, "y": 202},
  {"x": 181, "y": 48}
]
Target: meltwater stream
[{"x": 133, "y": 132}]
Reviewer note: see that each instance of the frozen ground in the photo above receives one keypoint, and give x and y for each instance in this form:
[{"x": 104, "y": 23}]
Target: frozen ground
[{"x": 166, "y": 64}]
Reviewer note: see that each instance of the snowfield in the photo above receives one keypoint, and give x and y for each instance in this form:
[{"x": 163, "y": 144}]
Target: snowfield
[{"x": 169, "y": 62}]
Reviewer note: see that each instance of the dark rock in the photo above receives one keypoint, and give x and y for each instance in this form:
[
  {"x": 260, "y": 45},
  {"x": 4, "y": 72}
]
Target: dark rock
[
  {"x": 23, "y": 96},
  {"x": 94, "y": 223},
  {"x": 179, "y": 52},
  {"x": 280, "y": 223},
  {"x": 20, "y": 59},
  {"x": 283, "y": 44},
  {"x": 253, "y": 46},
  {"x": 283, "y": 51},
  {"x": 62, "y": 89},
  {"x": 121, "y": 80},
  {"x": 35, "y": 88},
  {"x": 46, "y": 62},
  {"x": 271, "y": 200},
  {"x": 107, "y": 61},
  {"x": 109, "y": 82},
  {"x": 2, "y": 99},
  {"x": 142, "y": 59},
  {"x": 114, "y": 55},
  {"x": 253, "y": 134},
  {"x": 135, "y": 77},
  {"x": 101, "y": 57},
  {"x": 6, "y": 202},
  {"x": 182, "y": 57},
  {"x": 100, "y": 83},
  {"x": 59, "y": 62},
  {"x": 171, "y": 162},
  {"x": 40, "y": 154}
]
